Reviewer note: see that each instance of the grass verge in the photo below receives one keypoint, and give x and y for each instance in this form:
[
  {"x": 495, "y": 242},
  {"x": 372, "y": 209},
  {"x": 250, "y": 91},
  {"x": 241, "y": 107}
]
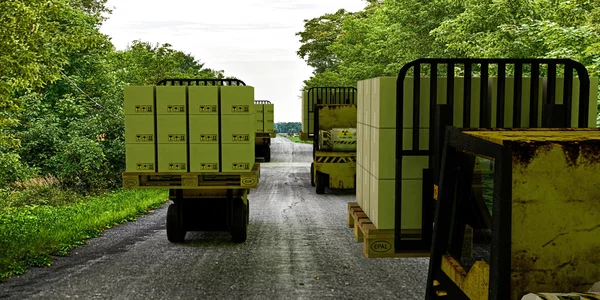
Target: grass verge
[
  {"x": 296, "y": 139},
  {"x": 31, "y": 235}
]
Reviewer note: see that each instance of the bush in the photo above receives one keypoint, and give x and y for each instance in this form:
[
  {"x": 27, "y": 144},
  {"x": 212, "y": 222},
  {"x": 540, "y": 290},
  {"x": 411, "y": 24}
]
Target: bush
[
  {"x": 39, "y": 191},
  {"x": 12, "y": 169}
]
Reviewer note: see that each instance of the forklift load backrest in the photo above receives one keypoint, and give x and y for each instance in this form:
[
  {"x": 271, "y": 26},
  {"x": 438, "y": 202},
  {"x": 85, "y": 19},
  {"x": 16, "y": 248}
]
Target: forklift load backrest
[
  {"x": 327, "y": 95},
  {"x": 262, "y": 102},
  {"x": 509, "y": 87},
  {"x": 189, "y": 81}
]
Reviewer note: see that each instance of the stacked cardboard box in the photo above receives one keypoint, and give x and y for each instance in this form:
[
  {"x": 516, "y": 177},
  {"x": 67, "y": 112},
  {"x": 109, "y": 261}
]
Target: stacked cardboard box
[
  {"x": 171, "y": 124},
  {"x": 189, "y": 129},
  {"x": 140, "y": 135},
  {"x": 238, "y": 129},
  {"x": 269, "y": 118},
  {"x": 204, "y": 128},
  {"x": 377, "y": 137},
  {"x": 259, "y": 113}
]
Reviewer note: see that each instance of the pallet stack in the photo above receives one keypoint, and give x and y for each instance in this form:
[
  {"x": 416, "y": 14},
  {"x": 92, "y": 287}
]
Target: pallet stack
[
  {"x": 265, "y": 117},
  {"x": 176, "y": 129}
]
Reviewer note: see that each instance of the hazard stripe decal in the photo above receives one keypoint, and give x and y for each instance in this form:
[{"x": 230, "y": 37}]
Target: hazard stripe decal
[
  {"x": 334, "y": 160},
  {"x": 345, "y": 142}
]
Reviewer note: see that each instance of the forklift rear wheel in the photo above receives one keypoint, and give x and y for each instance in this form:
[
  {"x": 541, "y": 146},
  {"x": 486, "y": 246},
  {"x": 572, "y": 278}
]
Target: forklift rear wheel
[
  {"x": 322, "y": 182},
  {"x": 312, "y": 173},
  {"x": 175, "y": 226},
  {"x": 239, "y": 224}
]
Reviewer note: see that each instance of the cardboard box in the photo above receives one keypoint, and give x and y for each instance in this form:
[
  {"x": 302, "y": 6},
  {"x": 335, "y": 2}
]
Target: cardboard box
[
  {"x": 172, "y": 158},
  {"x": 203, "y": 100},
  {"x": 237, "y": 158},
  {"x": 139, "y": 129},
  {"x": 382, "y": 203},
  {"x": 359, "y": 185},
  {"x": 237, "y": 129},
  {"x": 360, "y": 101},
  {"x": 359, "y": 145},
  {"x": 140, "y": 158},
  {"x": 260, "y": 126},
  {"x": 368, "y": 98},
  {"x": 366, "y": 191},
  {"x": 269, "y": 126},
  {"x": 204, "y": 129},
  {"x": 269, "y": 109},
  {"x": 238, "y": 100},
  {"x": 366, "y": 148},
  {"x": 204, "y": 158},
  {"x": 383, "y": 154},
  {"x": 171, "y": 129},
  {"x": 139, "y": 100},
  {"x": 171, "y": 100}
]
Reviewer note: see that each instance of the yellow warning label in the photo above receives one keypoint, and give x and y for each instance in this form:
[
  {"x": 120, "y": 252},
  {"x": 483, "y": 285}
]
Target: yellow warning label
[
  {"x": 208, "y": 108},
  {"x": 176, "y": 108},
  {"x": 240, "y": 108},
  {"x": 240, "y": 137},
  {"x": 176, "y": 138},
  {"x": 177, "y": 166},
  {"x": 144, "y": 138},
  {"x": 143, "y": 109},
  {"x": 209, "y": 166},
  {"x": 143, "y": 166},
  {"x": 435, "y": 191},
  {"x": 241, "y": 166},
  {"x": 208, "y": 137},
  {"x": 345, "y": 134}
]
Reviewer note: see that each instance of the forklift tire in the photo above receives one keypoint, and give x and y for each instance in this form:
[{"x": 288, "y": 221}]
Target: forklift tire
[
  {"x": 312, "y": 174},
  {"x": 322, "y": 182},
  {"x": 267, "y": 153},
  {"x": 175, "y": 226},
  {"x": 239, "y": 222}
]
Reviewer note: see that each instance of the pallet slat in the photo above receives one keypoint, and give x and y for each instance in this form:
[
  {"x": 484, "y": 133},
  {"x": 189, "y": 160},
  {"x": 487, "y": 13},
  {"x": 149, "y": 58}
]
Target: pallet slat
[{"x": 134, "y": 180}]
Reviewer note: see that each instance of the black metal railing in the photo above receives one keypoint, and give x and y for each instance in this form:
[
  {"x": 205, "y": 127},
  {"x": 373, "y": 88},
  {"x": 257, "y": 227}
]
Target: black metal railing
[{"x": 199, "y": 81}]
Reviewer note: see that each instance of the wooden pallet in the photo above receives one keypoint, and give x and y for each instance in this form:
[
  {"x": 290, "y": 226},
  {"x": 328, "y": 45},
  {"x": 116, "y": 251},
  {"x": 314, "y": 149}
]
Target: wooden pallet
[
  {"x": 134, "y": 180},
  {"x": 378, "y": 243}
]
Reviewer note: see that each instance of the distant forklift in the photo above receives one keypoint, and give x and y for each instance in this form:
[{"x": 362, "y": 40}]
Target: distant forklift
[
  {"x": 265, "y": 129},
  {"x": 334, "y": 146}
]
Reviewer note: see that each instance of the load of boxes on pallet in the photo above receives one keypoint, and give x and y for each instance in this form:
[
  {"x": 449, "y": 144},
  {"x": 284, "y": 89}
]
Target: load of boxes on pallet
[
  {"x": 175, "y": 129},
  {"x": 376, "y": 156},
  {"x": 265, "y": 117}
]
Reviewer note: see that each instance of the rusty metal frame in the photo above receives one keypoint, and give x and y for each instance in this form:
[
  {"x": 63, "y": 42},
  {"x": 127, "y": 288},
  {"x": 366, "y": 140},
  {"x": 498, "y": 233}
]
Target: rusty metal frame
[{"x": 553, "y": 116}]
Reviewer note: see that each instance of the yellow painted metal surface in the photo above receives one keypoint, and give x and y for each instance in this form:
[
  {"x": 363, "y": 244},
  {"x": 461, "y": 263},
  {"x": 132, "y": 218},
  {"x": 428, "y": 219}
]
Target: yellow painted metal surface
[
  {"x": 337, "y": 116},
  {"x": 474, "y": 283},
  {"x": 555, "y": 213},
  {"x": 498, "y": 136}
]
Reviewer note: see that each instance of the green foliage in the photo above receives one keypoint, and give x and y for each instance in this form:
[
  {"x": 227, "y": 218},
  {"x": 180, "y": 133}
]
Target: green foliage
[
  {"x": 288, "y": 127},
  {"x": 388, "y": 34},
  {"x": 12, "y": 169},
  {"x": 30, "y": 235}
]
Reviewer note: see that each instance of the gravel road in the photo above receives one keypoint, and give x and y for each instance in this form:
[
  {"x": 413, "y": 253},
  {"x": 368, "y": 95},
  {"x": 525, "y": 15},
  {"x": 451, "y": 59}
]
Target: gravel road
[{"x": 299, "y": 247}]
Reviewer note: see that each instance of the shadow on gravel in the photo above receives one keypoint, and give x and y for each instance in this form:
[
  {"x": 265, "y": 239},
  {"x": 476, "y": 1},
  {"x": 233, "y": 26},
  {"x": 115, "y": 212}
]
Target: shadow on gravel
[{"x": 210, "y": 239}]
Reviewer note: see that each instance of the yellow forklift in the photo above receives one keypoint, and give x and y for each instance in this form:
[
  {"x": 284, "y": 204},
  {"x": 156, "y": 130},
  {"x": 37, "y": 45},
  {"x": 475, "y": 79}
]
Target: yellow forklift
[
  {"x": 539, "y": 231},
  {"x": 334, "y": 139},
  {"x": 194, "y": 137}
]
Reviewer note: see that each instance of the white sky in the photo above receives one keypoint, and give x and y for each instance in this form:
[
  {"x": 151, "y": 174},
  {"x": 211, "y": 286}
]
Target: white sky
[{"x": 253, "y": 40}]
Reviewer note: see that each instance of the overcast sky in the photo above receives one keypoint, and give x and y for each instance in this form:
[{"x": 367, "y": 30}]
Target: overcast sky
[{"x": 253, "y": 40}]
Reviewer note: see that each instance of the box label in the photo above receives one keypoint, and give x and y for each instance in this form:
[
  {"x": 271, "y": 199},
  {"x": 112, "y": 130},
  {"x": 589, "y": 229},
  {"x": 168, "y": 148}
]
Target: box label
[
  {"x": 209, "y": 166},
  {"x": 208, "y": 137},
  {"x": 240, "y": 166},
  {"x": 177, "y": 166},
  {"x": 144, "y": 109},
  {"x": 240, "y": 108},
  {"x": 240, "y": 137},
  {"x": 176, "y": 138},
  {"x": 145, "y": 166},
  {"x": 175, "y": 108},
  {"x": 208, "y": 108},
  {"x": 144, "y": 138}
]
